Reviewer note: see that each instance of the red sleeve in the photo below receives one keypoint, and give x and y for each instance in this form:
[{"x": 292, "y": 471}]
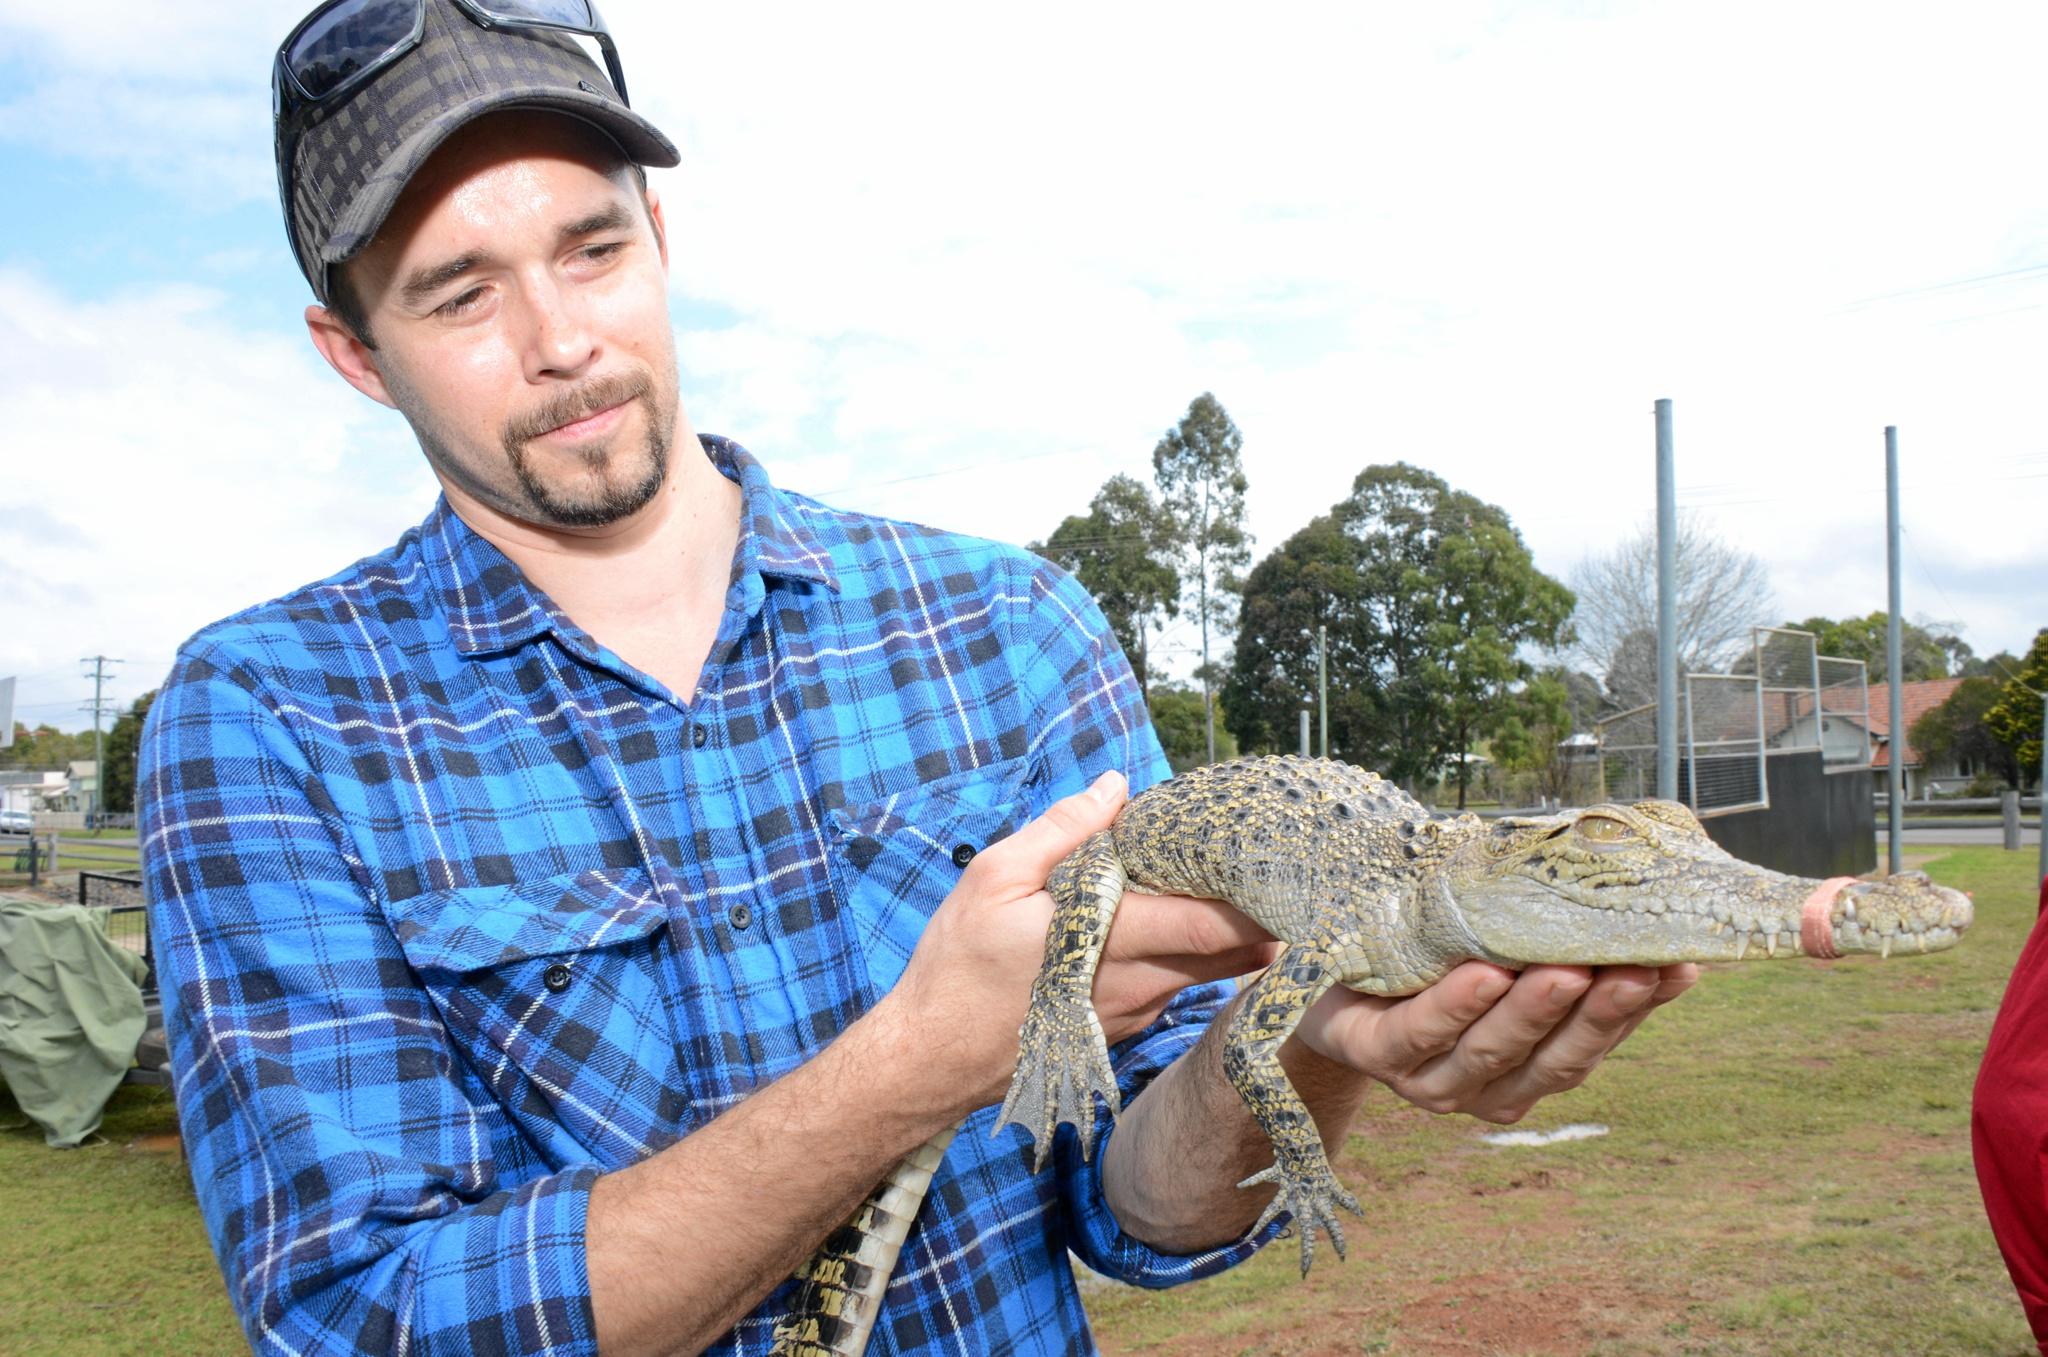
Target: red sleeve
[{"x": 2009, "y": 1126}]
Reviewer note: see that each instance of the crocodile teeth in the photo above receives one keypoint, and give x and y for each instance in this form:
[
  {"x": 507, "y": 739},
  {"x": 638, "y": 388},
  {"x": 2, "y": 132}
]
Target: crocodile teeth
[
  {"x": 1848, "y": 907},
  {"x": 1921, "y": 939},
  {"x": 1741, "y": 945},
  {"x": 1886, "y": 951},
  {"x": 1771, "y": 943}
]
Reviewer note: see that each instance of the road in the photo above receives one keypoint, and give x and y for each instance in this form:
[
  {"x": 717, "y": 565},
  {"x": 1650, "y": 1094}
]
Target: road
[{"x": 2030, "y": 837}]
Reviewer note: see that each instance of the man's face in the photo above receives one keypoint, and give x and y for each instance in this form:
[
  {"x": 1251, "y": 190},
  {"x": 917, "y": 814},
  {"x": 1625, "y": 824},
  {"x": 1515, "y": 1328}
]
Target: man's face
[{"x": 518, "y": 299}]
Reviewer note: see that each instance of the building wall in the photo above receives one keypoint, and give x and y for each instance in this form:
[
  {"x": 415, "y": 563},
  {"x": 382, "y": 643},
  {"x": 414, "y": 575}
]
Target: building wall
[{"x": 1818, "y": 824}]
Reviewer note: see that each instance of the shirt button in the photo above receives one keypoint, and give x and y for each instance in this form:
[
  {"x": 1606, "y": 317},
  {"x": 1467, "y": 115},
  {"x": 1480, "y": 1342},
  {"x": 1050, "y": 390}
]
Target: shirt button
[
  {"x": 739, "y": 916},
  {"x": 699, "y": 736},
  {"x": 556, "y": 978},
  {"x": 963, "y": 854}
]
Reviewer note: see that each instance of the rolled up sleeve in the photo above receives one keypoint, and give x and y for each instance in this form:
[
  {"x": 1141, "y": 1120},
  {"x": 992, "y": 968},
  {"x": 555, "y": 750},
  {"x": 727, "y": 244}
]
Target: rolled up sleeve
[{"x": 357, "y": 1198}]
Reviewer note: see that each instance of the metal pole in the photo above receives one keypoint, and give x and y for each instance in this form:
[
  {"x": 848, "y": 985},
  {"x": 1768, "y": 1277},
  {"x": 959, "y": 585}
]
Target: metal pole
[
  {"x": 1667, "y": 609},
  {"x": 1895, "y": 771},
  {"x": 2009, "y": 818},
  {"x": 1304, "y": 732},
  {"x": 1692, "y": 757},
  {"x": 1323, "y": 684}
]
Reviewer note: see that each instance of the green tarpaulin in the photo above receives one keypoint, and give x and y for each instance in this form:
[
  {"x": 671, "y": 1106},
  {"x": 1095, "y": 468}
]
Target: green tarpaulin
[{"x": 70, "y": 1014}]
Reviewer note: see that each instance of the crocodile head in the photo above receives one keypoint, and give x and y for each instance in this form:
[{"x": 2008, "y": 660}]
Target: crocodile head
[{"x": 1643, "y": 883}]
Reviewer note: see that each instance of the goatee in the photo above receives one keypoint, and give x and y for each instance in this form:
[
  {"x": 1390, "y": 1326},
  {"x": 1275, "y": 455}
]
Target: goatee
[{"x": 620, "y": 493}]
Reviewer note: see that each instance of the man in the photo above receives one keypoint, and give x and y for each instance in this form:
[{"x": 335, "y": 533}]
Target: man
[
  {"x": 566, "y": 915},
  {"x": 2009, "y": 1126}
]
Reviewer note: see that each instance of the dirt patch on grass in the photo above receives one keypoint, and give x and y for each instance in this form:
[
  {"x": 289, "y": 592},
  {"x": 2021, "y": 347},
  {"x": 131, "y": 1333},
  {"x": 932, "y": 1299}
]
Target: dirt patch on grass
[{"x": 1528, "y": 1312}]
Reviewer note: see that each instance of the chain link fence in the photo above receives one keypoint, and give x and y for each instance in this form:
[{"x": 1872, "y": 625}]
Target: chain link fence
[
  {"x": 1787, "y": 668},
  {"x": 1793, "y": 699},
  {"x": 1845, "y": 713},
  {"x": 1724, "y": 744},
  {"x": 1628, "y": 754},
  {"x": 1721, "y": 747}
]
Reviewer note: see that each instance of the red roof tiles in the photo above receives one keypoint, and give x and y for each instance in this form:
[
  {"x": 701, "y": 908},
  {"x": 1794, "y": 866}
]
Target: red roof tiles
[{"x": 1915, "y": 701}]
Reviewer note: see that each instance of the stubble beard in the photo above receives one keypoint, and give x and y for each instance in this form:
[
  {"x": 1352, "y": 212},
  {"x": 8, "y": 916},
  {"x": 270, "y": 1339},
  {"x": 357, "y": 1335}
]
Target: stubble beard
[
  {"x": 622, "y": 489},
  {"x": 627, "y": 474}
]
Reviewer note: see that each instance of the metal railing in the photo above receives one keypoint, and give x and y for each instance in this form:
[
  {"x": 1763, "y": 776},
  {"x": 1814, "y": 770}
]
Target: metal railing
[{"x": 121, "y": 895}]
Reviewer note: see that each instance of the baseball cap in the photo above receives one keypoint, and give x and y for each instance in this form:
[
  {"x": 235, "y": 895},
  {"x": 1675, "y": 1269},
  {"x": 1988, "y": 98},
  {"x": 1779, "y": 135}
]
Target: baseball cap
[{"x": 344, "y": 160}]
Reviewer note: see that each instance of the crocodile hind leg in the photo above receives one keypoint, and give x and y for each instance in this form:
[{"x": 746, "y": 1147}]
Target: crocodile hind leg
[
  {"x": 844, "y": 1280},
  {"x": 1063, "y": 1057},
  {"x": 1273, "y": 1006}
]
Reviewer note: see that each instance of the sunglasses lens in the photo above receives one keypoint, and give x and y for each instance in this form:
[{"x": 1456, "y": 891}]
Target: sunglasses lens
[
  {"x": 569, "y": 13},
  {"x": 347, "y": 38}
]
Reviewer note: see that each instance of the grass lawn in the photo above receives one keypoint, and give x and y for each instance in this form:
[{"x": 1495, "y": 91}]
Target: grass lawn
[
  {"x": 1787, "y": 1173},
  {"x": 103, "y": 1251}
]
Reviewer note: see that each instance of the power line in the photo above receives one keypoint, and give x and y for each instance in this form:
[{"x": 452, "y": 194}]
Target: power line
[
  {"x": 1953, "y": 285},
  {"x": 1928, "y": 575}
]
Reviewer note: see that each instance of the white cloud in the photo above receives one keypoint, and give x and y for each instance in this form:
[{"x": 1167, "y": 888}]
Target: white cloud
[
  {"x": 175, "y": 96},
  {"x": 193, "y": 468},
  {"x": 961, "y": 264}
]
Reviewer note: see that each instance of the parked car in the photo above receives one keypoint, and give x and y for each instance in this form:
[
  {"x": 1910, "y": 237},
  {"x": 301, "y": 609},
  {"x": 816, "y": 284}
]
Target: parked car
[{"x": 17, "y": 822}]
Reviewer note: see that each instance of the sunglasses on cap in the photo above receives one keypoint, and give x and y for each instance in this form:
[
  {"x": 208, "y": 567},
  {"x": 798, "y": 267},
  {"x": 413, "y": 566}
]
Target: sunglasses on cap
[{"x": 343, "y": 44}]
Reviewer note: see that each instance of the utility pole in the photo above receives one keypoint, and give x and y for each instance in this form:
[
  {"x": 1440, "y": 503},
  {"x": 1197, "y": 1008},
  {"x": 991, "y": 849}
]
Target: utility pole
[
  {"x": 1323, "y": 684},
  {"x": 1667, "y": 608},
  {"x": 98, "y": 707},
  {"x": 1895, "y": 747}
]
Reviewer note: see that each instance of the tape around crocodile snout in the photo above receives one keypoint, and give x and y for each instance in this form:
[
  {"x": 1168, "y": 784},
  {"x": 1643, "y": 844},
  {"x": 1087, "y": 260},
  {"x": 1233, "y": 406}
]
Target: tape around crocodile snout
[{"x": 1816, "y": 918}]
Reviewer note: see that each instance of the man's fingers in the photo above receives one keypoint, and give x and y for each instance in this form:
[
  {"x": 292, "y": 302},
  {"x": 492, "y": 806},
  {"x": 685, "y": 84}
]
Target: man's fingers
[
  {"x": 1179, "y": 926},
  {"x": 1169, "y": 974},
  {"x": 1504, "y": 1037},
  {"x": 1028, "y": 856},
  {"x": 1411, "y": 1032},
  {"x": 1619, "y": 998}
]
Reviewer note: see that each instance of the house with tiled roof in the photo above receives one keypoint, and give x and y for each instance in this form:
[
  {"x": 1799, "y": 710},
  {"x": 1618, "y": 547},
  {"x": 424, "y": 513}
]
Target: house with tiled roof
[{"x": 1941, "y": 776}]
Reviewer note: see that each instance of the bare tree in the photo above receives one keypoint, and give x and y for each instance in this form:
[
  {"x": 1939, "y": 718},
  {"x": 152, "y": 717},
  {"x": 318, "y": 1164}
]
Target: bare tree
[{"x": 1722, "y": 591}]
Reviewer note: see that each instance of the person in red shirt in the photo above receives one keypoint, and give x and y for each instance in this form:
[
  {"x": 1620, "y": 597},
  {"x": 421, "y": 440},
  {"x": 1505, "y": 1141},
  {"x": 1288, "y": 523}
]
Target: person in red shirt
[{"x": 2009, "y": 1126}]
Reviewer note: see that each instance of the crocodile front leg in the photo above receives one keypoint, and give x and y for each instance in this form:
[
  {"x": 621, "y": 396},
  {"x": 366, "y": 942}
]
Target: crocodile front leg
[
  {"x": 1063, "y": 1056},
  {"x": 1273, "y": 1006}
]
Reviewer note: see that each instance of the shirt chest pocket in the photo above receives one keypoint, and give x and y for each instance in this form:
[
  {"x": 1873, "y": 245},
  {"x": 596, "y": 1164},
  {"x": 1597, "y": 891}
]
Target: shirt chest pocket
[
  {"x": 897, "y": 858},
  {"x": 553, "y": 989}
]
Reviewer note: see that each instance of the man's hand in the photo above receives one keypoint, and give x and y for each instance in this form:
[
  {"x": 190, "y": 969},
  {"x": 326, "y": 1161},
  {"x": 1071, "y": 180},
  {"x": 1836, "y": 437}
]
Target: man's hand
[
  {"x": 967, "y": 985},
  {"x": 1487, "y": 1041}
]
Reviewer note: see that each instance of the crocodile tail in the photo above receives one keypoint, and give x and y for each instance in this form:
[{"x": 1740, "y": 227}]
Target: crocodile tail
[{"x": 844, "y": 1280}]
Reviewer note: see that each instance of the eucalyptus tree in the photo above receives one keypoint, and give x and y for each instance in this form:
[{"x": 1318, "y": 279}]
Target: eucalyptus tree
[{"x": 1200, "y": 474}]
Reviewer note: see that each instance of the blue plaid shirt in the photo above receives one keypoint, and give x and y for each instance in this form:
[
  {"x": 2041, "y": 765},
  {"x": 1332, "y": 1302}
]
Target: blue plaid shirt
[{"x": 455, "y": 910}]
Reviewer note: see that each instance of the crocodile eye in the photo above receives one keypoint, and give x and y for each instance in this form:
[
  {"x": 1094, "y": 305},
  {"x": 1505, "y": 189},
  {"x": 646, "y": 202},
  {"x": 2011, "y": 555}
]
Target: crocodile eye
[{"x": 1603, "y": 829}]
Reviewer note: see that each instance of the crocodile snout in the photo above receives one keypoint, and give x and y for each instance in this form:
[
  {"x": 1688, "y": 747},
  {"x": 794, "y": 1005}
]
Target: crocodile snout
[{"x": 1907, "y": 910}]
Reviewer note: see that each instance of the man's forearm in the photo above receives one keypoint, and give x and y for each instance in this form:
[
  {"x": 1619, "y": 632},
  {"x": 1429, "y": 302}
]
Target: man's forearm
[
  {"x": 681, "y": 1245},
  {"x": 1170, "y": 1172}
]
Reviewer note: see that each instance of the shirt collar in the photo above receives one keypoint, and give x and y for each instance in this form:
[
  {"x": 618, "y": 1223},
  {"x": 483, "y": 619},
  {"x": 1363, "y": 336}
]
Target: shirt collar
[{"x": 492, "y": 606}]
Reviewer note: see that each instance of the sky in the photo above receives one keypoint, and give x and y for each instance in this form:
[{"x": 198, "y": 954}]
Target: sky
[{"x": 959, "y": 264}]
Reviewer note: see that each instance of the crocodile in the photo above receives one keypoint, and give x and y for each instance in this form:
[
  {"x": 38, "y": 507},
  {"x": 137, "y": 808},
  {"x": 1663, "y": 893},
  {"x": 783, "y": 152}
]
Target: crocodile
[{"x": 1370, "y": 891}]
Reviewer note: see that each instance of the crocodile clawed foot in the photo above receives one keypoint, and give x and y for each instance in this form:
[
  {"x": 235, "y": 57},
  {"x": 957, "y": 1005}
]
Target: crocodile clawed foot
[
  {"x": 1062, "y": 1063},
  {"x": 1311, "y": 1197}
]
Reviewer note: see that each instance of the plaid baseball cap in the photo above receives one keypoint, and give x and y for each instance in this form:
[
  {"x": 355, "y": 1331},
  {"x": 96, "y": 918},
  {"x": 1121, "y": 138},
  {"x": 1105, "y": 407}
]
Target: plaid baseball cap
[{"x": 354, "y": 154}]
